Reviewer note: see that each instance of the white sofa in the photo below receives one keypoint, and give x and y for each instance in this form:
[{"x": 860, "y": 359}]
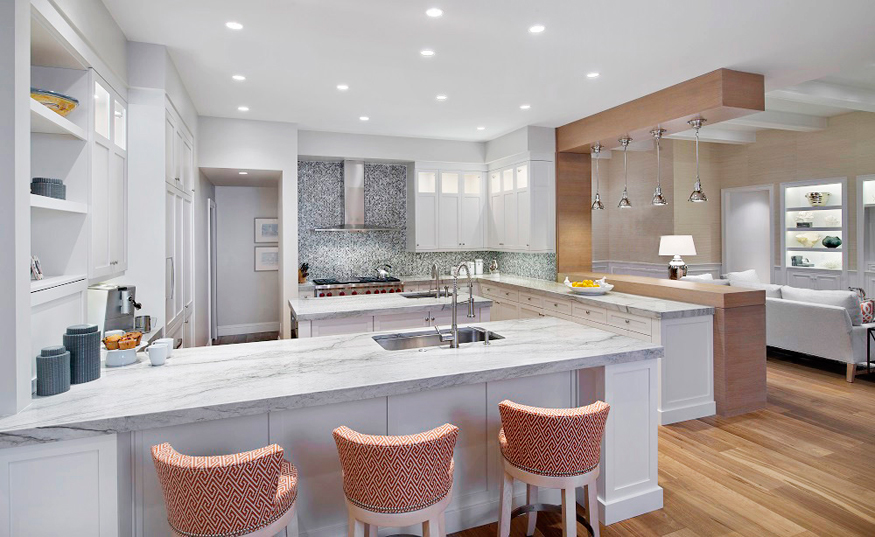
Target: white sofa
[{"x": 818, "y": 330}]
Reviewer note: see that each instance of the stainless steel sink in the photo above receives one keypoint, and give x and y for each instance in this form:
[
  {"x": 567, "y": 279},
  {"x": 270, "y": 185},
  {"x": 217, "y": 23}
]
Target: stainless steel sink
[
  {"x": 419, "y": 294},
  {"x": 430, "y": 338}
]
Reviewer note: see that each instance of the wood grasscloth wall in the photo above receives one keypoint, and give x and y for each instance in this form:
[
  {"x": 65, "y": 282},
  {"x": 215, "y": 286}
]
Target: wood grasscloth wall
[
  {"x": 573, "y": 215},
  {"x": 846, "y": 148}
]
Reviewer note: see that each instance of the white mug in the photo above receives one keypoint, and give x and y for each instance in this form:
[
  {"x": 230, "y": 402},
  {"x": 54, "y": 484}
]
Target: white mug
[
  {"x": 158, "y": 353},
  {"x": 166, "y": 341}
]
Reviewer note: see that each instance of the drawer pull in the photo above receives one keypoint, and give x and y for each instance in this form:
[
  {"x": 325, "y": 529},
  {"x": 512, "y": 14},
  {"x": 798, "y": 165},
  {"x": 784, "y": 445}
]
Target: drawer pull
[
  {"x": 555, "y": 305},
  {"x": 627, "y": 321},
  {"x": 586, "y": 311}
]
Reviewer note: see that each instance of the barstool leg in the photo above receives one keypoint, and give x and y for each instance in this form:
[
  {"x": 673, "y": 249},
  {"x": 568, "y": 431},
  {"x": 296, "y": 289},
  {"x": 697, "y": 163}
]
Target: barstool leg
[
  {"x": 370, "y": 530},
  {"x": 531, "y": 498},
  {"x": 569, "y": 512},
  {"x": 443, "y": 526},
  {"x": 592, "y": 502},
  {"x": 505, "y": 505},
  {"x": 356, "y": 527},
  {"x": 431, "y": 528}
]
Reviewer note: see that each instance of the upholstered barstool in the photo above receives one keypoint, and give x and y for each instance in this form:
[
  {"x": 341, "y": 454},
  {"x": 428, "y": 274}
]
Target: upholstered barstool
[
  {"x": 247, "y": 494},
  {"x": 553, "y": 448},
  {"x": 397, "y": 481}
]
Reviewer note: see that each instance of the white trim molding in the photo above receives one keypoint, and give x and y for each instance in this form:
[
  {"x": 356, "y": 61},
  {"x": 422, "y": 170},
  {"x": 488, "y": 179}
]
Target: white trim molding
[
  {"x": 253, "y": 328},
  {"x": 653, "y": 270}
]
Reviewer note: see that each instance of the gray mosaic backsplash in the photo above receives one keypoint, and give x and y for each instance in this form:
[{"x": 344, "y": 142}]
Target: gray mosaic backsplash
[{"x": 339, "y": 254}]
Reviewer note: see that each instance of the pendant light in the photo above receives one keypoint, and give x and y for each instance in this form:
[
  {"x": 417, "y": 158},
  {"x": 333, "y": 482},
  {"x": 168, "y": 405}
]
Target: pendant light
[
  {"x": 698, "y": 195},
  {"x": 597, "y": 204},
  {"x": 658, "y": 198},
  {"x": 624, "y": 201}
]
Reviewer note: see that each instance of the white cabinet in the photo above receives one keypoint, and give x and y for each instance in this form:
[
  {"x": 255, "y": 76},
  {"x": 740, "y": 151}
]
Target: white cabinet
[
  {"x": 448, "y": 211},
  {"x": 179, "y": 270},
  {"x": 809, "y": 279},
  {"x": 179, "y": 152},
  {"x": 522, "y": 215},
  {"x": 109, "y": 184}
]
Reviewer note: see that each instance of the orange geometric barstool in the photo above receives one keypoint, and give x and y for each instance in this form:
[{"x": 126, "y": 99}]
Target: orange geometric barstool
[
  {"x": 551, "y": 448},
  {"x": 397, "y": 481},
  {"x": 251, "y": 494}
]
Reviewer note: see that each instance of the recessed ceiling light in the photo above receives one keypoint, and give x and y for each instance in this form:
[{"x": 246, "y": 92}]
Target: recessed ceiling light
[
  {"x": 525, "y": 106},
  {"x": 342, "y": 87},
  {"x": 364, "y": 118},
  {"x": 592, "y": 75},
  {"x": 428, "y": 53},
  {"x": 234, "y": 25},
  {"x": 441, "y": 97},
  {"x": 243, "y": 108},
  {"x": 239, "y": 78},
  {"x": 434, "y": 12},
  {"x": 243, "y": 173},
  {"x": 481, "y": 128},
  {"x": 536, "y": 29}
]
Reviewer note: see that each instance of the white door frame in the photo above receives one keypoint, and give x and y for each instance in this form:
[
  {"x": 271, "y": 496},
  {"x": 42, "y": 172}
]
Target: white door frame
[
  {"x": 211, "y": 271},
  {"x": 724, "y": 205}
]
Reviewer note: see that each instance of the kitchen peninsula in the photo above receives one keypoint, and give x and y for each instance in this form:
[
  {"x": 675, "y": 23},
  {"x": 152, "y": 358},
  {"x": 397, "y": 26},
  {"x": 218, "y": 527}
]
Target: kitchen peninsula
[{"x": 94, "y": 440}]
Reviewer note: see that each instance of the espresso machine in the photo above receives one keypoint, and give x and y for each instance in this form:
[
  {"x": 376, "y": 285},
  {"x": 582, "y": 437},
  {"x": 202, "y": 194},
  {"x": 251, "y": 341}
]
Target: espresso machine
[{"x": 112, "y": 307}]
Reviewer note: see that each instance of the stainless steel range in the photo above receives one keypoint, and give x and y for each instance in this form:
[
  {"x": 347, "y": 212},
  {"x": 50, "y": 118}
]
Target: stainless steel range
[{"x": 325, "y": 287}]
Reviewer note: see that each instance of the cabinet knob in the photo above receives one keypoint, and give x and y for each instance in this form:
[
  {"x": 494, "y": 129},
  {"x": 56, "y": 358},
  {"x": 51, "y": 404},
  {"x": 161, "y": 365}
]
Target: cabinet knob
[
  {"x": 627, "y": 321},
  {"x": 586, "y": 311}
]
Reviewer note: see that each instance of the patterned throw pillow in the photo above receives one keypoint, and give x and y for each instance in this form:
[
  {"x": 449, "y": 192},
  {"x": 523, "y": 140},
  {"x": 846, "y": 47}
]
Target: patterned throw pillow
[{"x": 867, "y": 308}]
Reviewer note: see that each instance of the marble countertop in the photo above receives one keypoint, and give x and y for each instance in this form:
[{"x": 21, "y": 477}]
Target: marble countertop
[
  {"x": 313, "y": 309},
  {"x": 207, "y": 383},
  {"x": 644, "y": 306}
]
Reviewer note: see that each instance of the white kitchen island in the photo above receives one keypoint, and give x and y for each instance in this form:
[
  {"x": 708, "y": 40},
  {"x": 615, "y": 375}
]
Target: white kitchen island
[{"x": 83, "y": 456}]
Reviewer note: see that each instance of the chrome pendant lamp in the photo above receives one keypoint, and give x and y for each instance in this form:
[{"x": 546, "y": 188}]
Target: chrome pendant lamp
[
  {"x": 597, "y": 204},
  {"x": 658, "y": 199},
  {"x": 698, "y": 195},
  {"x": 624, "y": 201}
]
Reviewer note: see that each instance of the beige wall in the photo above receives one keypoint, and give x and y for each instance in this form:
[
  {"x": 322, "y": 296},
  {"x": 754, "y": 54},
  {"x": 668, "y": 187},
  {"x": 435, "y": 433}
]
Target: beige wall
[{"x": 845, "y": 149}]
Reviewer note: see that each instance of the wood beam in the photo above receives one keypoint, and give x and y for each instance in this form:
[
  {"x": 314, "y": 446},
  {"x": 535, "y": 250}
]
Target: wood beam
[
  {"x": 716, "y": 96},
  {"x": 573, "y": 213}
]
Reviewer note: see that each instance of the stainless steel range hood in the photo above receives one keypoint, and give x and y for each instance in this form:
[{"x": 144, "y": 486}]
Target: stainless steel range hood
[{"x": 354, "y": 200}]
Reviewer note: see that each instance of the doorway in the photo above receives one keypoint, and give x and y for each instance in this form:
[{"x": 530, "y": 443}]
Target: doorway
[
  {"x": 748, "y": 224},
  {"x": 212, "y": 244}
]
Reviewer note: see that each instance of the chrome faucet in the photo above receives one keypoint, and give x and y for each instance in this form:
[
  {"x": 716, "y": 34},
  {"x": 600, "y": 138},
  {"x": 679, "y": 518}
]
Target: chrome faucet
[
  {"x": 437, "y": 283},
  {"x": 454, "y": 342}
]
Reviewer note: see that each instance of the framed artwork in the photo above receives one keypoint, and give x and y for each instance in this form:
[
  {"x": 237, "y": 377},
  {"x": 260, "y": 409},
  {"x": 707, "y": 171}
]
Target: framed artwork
[
  {"x": 267, "y": 230},
  {"x": 267, "y": 258}
]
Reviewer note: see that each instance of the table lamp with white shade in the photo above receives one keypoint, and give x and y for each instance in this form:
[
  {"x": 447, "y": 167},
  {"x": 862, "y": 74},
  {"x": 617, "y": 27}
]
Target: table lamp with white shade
[{"x": 676, "y": 245}]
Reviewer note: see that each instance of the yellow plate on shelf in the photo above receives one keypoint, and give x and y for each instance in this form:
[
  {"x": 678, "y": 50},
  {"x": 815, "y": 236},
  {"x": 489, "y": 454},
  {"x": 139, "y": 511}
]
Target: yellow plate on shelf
[{"x": 57, "y": 102}]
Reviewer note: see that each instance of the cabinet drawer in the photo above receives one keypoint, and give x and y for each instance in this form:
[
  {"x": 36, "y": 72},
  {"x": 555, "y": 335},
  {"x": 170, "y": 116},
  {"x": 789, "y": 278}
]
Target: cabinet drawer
[
  {"x": 489, "y": 291},
  {"x": 503, "y": 293},
  {"x": 531, "y": 301},
  {"x": 590, "y": 313},
  {"x": 629, "y": 322},
  {"x": 557, "y": 305}
]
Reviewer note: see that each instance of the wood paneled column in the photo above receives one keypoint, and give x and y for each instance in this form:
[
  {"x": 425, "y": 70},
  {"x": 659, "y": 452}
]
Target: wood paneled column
[{"x": 573, "y": 213}]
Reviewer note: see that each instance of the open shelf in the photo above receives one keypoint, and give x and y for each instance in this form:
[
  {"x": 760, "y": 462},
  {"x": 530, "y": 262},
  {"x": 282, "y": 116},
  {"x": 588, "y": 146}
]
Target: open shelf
[
  {"x": 815, "y": 208},
  {"x": 801, "y": 249},
  {"x": 55, "y": 281},
  {"x": 52, "y": 204},
  {"x": 814, "y": 228},
  {"x": 45, "y": 121}
]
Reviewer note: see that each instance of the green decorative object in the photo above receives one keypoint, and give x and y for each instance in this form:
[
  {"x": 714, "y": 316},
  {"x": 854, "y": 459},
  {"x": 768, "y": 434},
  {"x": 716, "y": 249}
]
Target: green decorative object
[{"x": 831, "y": 242}]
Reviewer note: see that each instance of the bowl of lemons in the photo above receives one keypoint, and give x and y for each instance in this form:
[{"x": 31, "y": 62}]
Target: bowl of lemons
[{"x": 588, "y": 287}]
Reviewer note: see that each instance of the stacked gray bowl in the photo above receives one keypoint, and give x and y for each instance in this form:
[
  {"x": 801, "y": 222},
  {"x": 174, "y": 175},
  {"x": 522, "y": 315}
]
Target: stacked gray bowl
[
  {"x": 49, "y": 187},
  {"x": 83, "y": 342},
  {"x": 53, "y": 370}
]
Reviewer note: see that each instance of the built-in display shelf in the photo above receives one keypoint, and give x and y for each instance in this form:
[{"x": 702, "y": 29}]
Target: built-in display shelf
[
  {"x": 45, "y": 121},
  {"x": 53, "y": 204},
  {"x": 55, "y": 281},
  {"x": 801, "y": 249},
  {"x": 815, "y": 208},
  {"x": 814, "y": 228}
]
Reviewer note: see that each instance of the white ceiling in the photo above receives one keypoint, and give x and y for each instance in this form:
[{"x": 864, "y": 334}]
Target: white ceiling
[
  {"x": 294, "y": 53},
  {"x": 232, "y": 177}
]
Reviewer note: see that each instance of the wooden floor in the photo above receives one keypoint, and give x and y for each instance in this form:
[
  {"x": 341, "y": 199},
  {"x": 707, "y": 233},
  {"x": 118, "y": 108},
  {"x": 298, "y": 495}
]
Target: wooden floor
[
  {"x": 804, "y": 466},
  {"x": 246, "y": 338}
]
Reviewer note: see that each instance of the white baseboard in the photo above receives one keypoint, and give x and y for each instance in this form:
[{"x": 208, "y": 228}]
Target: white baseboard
[
  {"x": 691, "y": 412},
  {"x": 629, "y": 507},
  {"x": 254, "y": 328}
]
